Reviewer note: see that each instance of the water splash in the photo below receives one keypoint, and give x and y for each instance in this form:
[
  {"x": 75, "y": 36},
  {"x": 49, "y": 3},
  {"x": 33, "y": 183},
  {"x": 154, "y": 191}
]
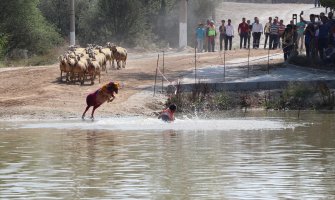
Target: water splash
[{"x": 142, "y": 124}]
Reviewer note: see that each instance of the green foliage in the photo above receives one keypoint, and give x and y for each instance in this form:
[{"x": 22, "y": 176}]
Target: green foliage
[
  {"x": 3, "y": 45},
  {"x": 26, "y": 28},
  {"x": 296, "y": 95},
  {"x": 328, "y": 3}
]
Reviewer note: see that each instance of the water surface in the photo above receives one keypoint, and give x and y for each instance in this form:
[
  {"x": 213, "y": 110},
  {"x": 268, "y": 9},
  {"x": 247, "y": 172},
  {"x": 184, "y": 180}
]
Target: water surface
[{"x": 259, "y": 156}]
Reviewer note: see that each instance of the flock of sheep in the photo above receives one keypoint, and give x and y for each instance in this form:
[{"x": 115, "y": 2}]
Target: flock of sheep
[{"x": 80, "y": 63}]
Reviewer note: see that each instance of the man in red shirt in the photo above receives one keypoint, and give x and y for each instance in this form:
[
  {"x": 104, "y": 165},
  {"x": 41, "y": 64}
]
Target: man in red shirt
[
  {"x": 243, "y": 30},
  {"x": 167, "y": 115}
]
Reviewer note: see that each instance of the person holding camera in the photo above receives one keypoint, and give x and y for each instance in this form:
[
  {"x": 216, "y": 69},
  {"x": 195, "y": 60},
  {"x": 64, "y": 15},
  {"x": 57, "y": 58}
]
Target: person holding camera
[
  {"x": 289, "y": 39},
  {"x": 300, "y": 33}
]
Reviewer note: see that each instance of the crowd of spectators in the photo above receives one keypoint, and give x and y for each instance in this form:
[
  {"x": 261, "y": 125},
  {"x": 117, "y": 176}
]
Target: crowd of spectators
[{"x": 314, "y": 37}]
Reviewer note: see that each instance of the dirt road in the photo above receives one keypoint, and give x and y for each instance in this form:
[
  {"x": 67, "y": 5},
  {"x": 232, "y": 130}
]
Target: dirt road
[{"x": 37, "y": 93}]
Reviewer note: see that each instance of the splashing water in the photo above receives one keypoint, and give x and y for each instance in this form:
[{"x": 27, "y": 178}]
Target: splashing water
[{"x": 141, "y": 124}]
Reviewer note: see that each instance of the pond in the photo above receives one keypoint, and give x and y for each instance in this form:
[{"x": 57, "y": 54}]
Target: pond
[{"x": 261, "y": 155}]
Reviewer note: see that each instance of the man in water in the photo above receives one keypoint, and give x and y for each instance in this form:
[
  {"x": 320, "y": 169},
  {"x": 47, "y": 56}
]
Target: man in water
[{"x": 167, "y": 115}]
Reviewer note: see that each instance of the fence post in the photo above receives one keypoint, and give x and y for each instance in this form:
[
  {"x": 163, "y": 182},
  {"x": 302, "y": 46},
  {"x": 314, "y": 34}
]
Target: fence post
[
  {"x": 156, "y": 76},
  {"x": 163, "y": 74},
  {"x": 224, "y": 66},
  {"x": 269, "y": 60},
  {"x": 195, "y": 64},
  {"x": 248, "y": 61}
]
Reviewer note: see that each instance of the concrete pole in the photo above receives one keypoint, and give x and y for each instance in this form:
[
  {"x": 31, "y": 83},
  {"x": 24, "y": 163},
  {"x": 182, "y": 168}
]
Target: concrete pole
[
  {"x": 72, "y": 24},
  {"x": 183, "y": 24}
]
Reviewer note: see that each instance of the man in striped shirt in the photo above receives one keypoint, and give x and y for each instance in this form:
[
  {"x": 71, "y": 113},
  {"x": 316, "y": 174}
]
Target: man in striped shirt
[{"x": 274, "y": 32}]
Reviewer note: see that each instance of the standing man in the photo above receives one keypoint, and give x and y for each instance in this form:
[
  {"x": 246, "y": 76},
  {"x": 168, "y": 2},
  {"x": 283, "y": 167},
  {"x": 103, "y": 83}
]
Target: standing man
[
  {"x": 300, "y": 30},
  {"x": 323, "y": 37},
  {"x": 257, "y": 30},
  {"x": 317, "y": 3},
  {"x": 211, "y": 36},
  {"x": 249, "y": 32},
  {"x": 281, "y": 30},
  {"x": 243, "y": 30},
  {"x": 222, "y": 30},
  {"x": 206, "y": 37},
  {"x": 274, "y": 31},
  {"x": 200, "y": 36},
  {"x": 267, "y": 31},
  {"x": 229, "y": 35}
]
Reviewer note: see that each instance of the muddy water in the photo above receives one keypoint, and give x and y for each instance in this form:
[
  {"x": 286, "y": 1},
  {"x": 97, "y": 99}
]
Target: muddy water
[{"x": 270, "y": 156}]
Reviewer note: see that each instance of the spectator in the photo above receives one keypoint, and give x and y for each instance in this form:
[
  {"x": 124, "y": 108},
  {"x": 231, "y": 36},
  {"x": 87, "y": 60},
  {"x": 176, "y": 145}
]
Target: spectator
[
  {"x": 281, "y": 30},
  {"x": 267, "y": 31},
  {"x": 243, "y": 30},
  {"x": 249, "y": 33},
  {"x": 206, "y": 38},
  {"x": 309, "y": 40},
  {"x": 229, "y": 35},
  {"x": 289, "y": 37},
  {"x": 257, "y": 30},
  {"x": 222, "y": 30},
  {"x": 317, "y": 3},
  {"x": 323, "y": 36},
  {"x": 211, "y": 36},
  {"x": 274, "y": 31},
  {"x": 300, "y": 38},
  {"x": 200, "y": 35}
]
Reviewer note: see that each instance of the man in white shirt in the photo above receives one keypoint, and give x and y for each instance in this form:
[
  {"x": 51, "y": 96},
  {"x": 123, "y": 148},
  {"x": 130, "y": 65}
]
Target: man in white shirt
[
  {"x": 229, "y": 35},
  {"x": 257, "y": 30}
]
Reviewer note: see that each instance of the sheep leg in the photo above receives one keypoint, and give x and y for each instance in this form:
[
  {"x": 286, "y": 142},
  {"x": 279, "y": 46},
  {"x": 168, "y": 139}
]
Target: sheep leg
[
  {"x": 118, "y": 64},
  {"x": 113, "y": 64},
  {"x": 83, "y": 116},
  {"x": 61, "y": 76}
]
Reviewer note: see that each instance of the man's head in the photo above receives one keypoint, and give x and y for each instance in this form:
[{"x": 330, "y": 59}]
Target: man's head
[
  {"x": 243, "y": 19},
  {"x": 281, "y": 21},
  {"x": 330, "y": 15},
  {"x": 248, "y": 21},
  {"x": 229, "y": 21},
  {"x": 173, "y": 107},
  {"x": 270, "y": 19},
  {"x": 223, "y": 21}
]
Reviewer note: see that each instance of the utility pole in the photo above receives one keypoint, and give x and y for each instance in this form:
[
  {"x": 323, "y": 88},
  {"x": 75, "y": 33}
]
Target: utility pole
[
  {"x": 72, "y": 24},
  {"x": 183, "y": 24}
]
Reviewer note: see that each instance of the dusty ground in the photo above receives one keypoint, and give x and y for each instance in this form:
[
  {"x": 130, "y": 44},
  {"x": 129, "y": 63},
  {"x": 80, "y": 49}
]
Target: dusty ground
[{"x": 37, "y": 93}]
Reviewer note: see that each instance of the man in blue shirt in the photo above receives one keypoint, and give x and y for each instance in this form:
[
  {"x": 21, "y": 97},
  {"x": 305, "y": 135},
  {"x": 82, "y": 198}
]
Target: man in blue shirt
[
  {"x": 323, "y": 36},
  {"x": 200, "y": 36}
]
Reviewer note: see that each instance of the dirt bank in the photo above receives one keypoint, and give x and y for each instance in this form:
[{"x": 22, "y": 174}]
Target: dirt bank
[{"x": 37, "y": 93}]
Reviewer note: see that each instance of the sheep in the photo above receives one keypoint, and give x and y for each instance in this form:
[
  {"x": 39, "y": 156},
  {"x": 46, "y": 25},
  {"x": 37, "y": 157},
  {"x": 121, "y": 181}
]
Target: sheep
[
  {"x": 111, "y": 62},
  {"x": 120, "y": 54},
  {"x": 101, "y": 58},
  {"x": 64, "y": 67},
  {"x": 93, "y": 69},
  {"x": 109, "y": 56},
  {"x": 80, "y": 68}
]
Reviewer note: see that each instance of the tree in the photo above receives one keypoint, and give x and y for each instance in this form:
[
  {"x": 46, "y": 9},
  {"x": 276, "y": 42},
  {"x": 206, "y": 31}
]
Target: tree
[
  {"x": 26, "y": 28},
  {"x": 328, "y": 3}
]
